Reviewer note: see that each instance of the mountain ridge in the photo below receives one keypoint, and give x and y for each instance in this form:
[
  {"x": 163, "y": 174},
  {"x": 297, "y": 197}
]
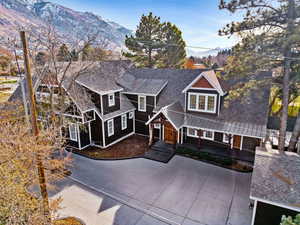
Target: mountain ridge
[{"x": 35, "y": 13}]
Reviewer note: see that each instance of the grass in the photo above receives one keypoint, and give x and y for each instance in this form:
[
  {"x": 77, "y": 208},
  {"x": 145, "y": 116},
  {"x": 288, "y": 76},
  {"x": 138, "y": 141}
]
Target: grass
[
  {"x": 225, "y": 162},
  {"x": 4, "y": 97},
  {"x": 134, "y": 146},
  {"x": 67, "y": 221}
]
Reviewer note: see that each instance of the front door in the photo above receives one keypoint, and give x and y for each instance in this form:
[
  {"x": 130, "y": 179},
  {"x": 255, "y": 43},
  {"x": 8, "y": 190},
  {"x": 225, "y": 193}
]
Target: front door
[
  {"x": 237, "y": 141},
  {"x": 170, "y": 134}
]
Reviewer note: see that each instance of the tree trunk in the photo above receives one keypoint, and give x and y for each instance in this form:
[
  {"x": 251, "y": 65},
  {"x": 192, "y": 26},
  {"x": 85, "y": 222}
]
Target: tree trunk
[
  {"x": 286, "y": 75},
  {"x": 150, "y": 58},
  {"x": 295, "y": 135}
]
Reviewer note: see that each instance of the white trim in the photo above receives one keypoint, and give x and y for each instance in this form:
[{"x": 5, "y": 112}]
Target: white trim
[
  {"x": 114, "y": 116},
  {"x": 103, "y": 133},
  {"x": 79, "y": 140},
  {"x": 219, "y": 105},
  {"x": 134, "y": 93},
  {"x": 221, "y": 92},
  {"x": 112, "y": 127},
  {"x": 147, "y": 94},
  {"x": 241, "y": 146},
  {"x": 145, "y": 103},
  {"x": 70, "y": 115},
  {"x": 111, "y": 102},
  {"x": 207, "y": 138},
  {"x": 206, "y": 95},
  {"x": 254, "y": 212},
  {"x": 100, "y": 92},
  {"x": 90, "y": 133},
  {"x": 101, "y": 104},
  {"x": 124, "y": 117},
  {"x": 163, "y": 132},
  {"x": 223, "y": 139},
  {"x": 181, "y": 141},
  {"x": 120, "y": 139},
  {"x": 297, "y": 209},
  {"x": 178, "y": 134},
  {"x": 220, "y": 131},
  {"x": 185, "y": 99},
  {"x": 70, "y": 136},
  {"x": 131, "y": 115},
  {"x": 192, "y": 135},
  {"x": 205, "y": 89},
  {"x": 158, "y": 126}
]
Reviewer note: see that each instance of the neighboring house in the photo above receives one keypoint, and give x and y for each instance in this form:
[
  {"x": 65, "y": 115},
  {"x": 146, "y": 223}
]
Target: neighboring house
[
  {"x": 114, "y": 100},
  {"x": 275, "y": 186}
]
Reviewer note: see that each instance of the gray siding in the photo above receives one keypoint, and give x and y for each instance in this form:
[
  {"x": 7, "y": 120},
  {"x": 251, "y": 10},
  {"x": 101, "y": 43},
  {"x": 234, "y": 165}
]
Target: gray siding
[
  {"x": 118, "y": 132},
  {"x": 142, "y": 117},
  {"x": 250, "y": 143},
  {"x": 106, "y": 108}
]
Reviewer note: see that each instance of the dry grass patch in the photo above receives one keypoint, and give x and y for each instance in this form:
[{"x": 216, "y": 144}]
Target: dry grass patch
[{"x": 68, "y": 221}]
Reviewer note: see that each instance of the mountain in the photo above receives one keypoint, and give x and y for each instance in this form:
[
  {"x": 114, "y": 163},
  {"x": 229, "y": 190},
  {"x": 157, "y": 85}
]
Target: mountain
[
  {"x": 37, "y": 13},
  {"x": 200, "y": 54}
]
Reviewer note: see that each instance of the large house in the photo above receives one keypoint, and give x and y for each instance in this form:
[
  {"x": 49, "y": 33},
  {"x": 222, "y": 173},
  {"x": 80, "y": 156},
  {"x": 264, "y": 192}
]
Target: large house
[{"x": 114, "y": 100}]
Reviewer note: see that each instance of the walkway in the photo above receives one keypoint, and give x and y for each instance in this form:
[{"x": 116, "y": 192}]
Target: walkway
[{"x": 161, "y": 152}]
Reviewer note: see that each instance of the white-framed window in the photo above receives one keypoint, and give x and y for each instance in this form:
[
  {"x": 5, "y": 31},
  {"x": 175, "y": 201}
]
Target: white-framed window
[
  {"x": 202, "y": 102},
  {"x": 131, "y": 115},
  {"x": 110, "y": 127},
  {"x": 191, "y": 132},
  {"x": 208, "y": 135},
  {"x": 157, "y": 125},
  {"x": 73, "y": 131},
  {"x": 111, "y": 99},
  {"x": 142, "y": 103},
  {"x": 226, "y": 138},
  {"x": 124, "y": 121}
]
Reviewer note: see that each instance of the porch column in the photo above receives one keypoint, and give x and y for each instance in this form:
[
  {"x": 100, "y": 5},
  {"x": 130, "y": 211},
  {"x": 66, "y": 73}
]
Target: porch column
[
  {"x": 178, "y": 136},
  {"x": 254, "y": 212},
  {"x": 181, "y": 141},
  {"x": 150, "y": 134}
]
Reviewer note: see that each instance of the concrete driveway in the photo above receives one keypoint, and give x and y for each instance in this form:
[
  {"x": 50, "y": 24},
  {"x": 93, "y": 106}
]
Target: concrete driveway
[{"x": 184, "y": 191}]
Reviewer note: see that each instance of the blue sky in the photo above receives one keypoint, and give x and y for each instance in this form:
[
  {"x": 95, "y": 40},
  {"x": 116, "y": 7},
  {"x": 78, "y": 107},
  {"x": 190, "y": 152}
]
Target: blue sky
[{"x": 199, "y": 20}]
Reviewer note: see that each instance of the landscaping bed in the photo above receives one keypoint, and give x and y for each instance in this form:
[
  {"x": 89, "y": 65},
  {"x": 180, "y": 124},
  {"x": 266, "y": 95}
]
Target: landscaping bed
[
  {"x": 225, "y": 162},
  {"x": 68, "y": 221},
  {"x": 132, "y": 147}
]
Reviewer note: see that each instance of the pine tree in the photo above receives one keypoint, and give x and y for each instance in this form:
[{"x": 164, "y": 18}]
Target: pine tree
[
  {"x": 173, "y": 54},
  {"x": 278, "y": 26},
  {"x": 146, "y": 42}
]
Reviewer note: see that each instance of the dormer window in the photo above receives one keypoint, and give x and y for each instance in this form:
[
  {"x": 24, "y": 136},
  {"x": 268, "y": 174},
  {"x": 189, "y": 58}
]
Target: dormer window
[
  {"x": 111, "y": 99},
  {"x": 202, "y": 102}
]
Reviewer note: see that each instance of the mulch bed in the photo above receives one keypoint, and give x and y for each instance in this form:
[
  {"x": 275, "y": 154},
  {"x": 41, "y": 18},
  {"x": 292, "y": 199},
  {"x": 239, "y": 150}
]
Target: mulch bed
[{"x": 132, "y": 147}]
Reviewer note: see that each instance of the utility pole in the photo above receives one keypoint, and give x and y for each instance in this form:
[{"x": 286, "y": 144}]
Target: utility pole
[
  {"x": 34, "y": 125},
  {"x": 23, "y": 90}
]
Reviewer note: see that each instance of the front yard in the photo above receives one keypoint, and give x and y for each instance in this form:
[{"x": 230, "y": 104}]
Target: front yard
[{"x": 132, "y": 147}]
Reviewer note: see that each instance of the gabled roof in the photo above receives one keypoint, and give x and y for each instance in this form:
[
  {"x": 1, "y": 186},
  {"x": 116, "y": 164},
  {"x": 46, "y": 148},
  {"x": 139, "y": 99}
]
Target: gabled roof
[
  {"x": 174, "y": 113},
  {"x": 140, "y": 85},
  {"x": 211, "y": 77},
  {"x": 101, "y": 78}
]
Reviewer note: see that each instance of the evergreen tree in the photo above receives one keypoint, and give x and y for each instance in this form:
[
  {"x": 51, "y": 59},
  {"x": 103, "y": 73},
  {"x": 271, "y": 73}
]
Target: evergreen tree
[
  {"x": 74, "y": 55},
  {"x": 63, "y": 53},
  {"x": 172, "y": 54},
  {"x": 278, "y": 26},
  {"x": 87, "y": 52},
  {"x": 146, "y": 42}
]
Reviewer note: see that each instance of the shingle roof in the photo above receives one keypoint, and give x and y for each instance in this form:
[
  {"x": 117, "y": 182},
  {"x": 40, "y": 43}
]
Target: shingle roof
[
  {"x": 125, "y": 106},
  {"x": 177, "y": 79},
  {"x": 102, "y": 76},
  {"x": 140, "y": 85},
  {"x": 276, "y": 178}
]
